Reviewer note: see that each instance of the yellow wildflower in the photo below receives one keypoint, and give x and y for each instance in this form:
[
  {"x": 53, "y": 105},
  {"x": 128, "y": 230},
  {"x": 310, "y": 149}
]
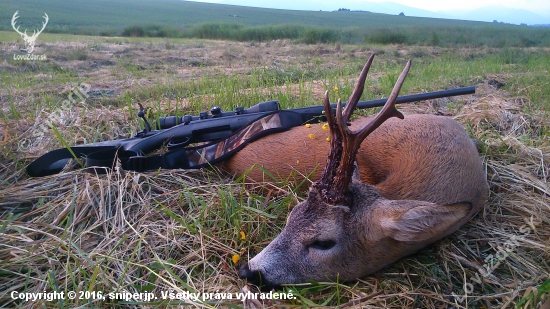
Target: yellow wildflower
[
  {"x": 312, "y": 136},
  {"x": 308, "y": 125},
  {"x": 335, "y": 88},
  {"x": 243, "y": 235},
  {"x": 235, "y": 258},
  {"x": 325, "y": 127}
]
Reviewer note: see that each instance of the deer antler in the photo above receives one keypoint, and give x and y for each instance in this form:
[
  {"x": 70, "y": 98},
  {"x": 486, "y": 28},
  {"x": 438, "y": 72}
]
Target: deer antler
[
  {"x": 15, "y": 16},
  {"x": 344, "y": 143},
  {"x": 24, "y": 34},
  {"x": 43, "y": 25}
]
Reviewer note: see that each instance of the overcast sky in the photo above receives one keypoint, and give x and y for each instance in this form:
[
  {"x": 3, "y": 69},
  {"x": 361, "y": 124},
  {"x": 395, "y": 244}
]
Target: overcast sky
[{"x": 531, "y": 5}]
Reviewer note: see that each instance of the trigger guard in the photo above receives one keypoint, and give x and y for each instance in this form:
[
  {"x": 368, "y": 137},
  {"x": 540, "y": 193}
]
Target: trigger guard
[{"x": 175, "y": 145}]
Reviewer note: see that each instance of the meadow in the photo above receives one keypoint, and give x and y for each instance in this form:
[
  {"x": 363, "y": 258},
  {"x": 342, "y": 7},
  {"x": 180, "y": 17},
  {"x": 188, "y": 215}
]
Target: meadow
[
  {"x": 185, "y": 230},
  {"x": 186, "y": 19}
]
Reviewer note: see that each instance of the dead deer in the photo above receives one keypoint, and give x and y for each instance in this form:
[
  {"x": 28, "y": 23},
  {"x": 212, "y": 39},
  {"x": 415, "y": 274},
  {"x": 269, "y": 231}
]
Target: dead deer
[{"x": 422, "y": 178}]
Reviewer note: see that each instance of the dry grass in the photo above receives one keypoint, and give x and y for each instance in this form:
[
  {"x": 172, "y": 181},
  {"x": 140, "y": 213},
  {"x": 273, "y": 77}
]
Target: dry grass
[{"x": 178, "y": 230}]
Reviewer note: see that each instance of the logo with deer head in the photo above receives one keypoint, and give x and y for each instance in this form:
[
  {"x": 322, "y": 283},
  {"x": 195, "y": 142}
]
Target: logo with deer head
[{"x": 29, "y": 40}]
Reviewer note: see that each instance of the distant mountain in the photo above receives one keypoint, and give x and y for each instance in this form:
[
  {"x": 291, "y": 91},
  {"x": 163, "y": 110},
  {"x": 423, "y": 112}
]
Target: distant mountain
[
  {"x": 394, "y": 9},
  {"x": 354, "y": 5},
  {"x": 305, "y": 5},
  {"x": 488, "y": 14},
  {"x": 501, "y": 14}
]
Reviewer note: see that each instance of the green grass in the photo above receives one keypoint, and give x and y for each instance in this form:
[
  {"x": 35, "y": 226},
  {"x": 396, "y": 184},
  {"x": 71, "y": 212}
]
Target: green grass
[
  {"x": 179, "y": 229},
  {"x": 102, "y": 14},
  {"x": 171, "y": 18}
]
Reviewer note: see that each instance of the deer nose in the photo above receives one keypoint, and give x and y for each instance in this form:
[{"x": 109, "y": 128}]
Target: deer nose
[
  {"x": 255, "y": 277},
  {"x": 252, "y": 276}
]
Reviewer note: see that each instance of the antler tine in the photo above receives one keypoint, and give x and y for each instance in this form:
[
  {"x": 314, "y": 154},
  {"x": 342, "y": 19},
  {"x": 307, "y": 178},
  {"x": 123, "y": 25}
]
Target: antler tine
[
  {"x": 15, "y": 16},
  {"x": 13, "y": 22},
  {"x": 328, "y": 111},
  {"x": 335, "y": 153},
  {"x": 389, "y": 109},
  {"x": 358, "y": 91},
  {"x": 344, "y": 143},
  {"x": 47, "y": 18}
]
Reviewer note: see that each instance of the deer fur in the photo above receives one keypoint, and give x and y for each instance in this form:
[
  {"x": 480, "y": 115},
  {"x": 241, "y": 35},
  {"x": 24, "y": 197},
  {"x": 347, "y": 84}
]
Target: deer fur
[
  {"x": 402, "y": 159},
  {"x": 421, "y": 178}
]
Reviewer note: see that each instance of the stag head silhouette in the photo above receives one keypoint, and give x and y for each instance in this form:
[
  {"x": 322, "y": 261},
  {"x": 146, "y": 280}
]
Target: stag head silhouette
[{"x": 29, "y": 40}]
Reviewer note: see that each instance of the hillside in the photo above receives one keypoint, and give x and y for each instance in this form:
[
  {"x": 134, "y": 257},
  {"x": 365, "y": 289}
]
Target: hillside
[
  {"x": 93, "y": 16},
  {"x": 486, "y": 14},
  {"x": 187, "y": 19}
]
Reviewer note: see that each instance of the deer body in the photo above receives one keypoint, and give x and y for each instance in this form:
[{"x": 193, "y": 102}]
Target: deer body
[
  {"x": 422, "y": 157},
  {"x": 421, "y": 178}
]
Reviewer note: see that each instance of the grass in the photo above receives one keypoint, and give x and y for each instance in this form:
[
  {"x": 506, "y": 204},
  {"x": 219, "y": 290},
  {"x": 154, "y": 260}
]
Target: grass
[
  {"x": 179, "y": 230},
  {"x": 105, "y": 15},
  {"x": 188, "y": 19}
]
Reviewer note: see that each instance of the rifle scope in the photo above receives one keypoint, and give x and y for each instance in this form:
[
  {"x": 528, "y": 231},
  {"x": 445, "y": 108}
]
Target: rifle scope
[{"x": 215, "y": 112}]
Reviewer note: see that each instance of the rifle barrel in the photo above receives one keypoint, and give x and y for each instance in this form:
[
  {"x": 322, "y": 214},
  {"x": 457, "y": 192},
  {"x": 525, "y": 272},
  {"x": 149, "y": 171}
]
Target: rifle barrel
[
  {"x": 309, "y": 113},
  {"x": 419, "y": 97}
]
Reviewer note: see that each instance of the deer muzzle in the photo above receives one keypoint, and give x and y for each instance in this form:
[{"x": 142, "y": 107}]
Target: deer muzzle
[{"x": 256, "y": 278}]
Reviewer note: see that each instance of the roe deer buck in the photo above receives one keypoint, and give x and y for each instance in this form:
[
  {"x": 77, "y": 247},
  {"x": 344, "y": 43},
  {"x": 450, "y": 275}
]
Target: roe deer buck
[{"x": 422, "y": 179}]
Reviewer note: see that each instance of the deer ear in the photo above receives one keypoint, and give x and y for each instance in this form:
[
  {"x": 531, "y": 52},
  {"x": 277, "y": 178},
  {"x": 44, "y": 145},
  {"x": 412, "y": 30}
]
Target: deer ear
[{"x": 423, "y": 221}]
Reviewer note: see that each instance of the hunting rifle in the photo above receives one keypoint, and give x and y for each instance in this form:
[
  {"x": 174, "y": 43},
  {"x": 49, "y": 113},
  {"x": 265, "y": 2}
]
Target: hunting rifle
[{"x": 218, "y": 135}]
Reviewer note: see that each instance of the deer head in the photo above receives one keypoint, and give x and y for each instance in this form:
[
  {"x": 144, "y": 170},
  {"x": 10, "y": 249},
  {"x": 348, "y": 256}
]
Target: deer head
[
  {"x": 29, "y": 40},
  {"x": 345, "y": 229}
]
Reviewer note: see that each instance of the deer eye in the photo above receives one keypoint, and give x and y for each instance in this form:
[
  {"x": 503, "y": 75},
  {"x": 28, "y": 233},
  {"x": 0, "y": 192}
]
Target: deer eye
[{"x": 323, "y": 244}]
